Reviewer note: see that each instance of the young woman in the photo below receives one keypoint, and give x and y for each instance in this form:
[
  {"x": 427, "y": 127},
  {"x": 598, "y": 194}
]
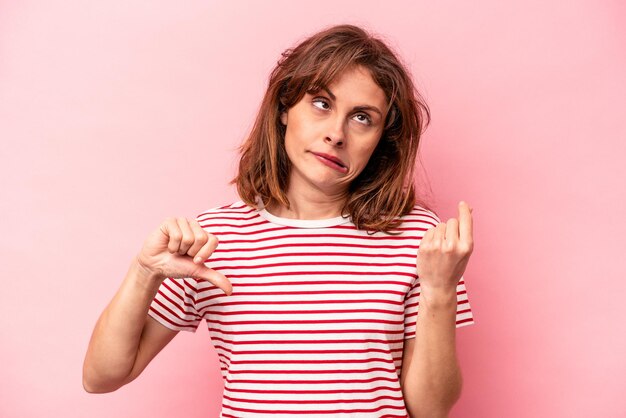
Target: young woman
[{"x": 312, "y": 295}]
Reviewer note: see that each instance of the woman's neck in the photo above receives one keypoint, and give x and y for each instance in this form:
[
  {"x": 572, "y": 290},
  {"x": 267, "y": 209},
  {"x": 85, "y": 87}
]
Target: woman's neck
[{"x": 307, "y": 208}]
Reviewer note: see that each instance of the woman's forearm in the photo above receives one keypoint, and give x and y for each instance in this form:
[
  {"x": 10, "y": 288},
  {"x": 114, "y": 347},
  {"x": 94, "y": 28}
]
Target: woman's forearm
[
  {"x": 115, "y": 339},
  {"x": 433, "y": 381}
]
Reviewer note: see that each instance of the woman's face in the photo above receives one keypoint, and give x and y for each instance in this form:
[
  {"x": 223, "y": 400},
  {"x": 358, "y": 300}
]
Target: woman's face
[{"x": 345, "y": 121}]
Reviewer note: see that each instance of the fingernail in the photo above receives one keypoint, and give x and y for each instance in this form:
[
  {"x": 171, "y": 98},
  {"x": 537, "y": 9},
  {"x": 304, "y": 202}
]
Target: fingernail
[{"x": 197, "y": 259}]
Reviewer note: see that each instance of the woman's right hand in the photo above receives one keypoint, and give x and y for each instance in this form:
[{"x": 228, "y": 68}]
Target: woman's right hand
[{"x": 170, "y": 250}]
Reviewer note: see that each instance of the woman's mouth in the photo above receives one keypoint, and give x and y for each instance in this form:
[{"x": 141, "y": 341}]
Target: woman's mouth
[{"x": 331, "y": 164}]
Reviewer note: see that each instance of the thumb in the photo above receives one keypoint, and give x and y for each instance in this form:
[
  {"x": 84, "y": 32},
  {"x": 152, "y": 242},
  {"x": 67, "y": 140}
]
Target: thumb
[{"x": 218, "y": 279}]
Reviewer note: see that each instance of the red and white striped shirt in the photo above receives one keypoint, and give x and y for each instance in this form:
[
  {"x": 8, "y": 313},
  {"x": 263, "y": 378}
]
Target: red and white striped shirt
[{"x": 319, "y": 313}]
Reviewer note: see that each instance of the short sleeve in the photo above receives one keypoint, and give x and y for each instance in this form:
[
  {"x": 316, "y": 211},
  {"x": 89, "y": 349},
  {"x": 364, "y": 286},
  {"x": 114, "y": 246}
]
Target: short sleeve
[
  {"x": 464, "y": 314},
  {"x": 174, "y": 305}
]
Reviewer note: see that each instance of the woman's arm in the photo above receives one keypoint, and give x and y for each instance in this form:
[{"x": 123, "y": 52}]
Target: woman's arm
[
  {"x": 431, "y": 377},
  {"x": 125, "y": 339},
  {"x": 432, "y": 382}
]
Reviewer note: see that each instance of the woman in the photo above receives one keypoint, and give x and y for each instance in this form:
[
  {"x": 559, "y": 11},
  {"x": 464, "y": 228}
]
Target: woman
[{"x": 311, "y": 297}]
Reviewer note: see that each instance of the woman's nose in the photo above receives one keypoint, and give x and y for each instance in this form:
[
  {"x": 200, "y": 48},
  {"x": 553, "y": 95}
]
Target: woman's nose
[
  {"x": 334, "y": 141},
  {"x": 336, "y": 132}
]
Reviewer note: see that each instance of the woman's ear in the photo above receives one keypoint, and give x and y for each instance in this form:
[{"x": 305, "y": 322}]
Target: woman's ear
[{"x": 283, "y": 118}]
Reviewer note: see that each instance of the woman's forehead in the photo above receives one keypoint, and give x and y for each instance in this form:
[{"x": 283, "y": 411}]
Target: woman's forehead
[{"x": 355, "y": 74}]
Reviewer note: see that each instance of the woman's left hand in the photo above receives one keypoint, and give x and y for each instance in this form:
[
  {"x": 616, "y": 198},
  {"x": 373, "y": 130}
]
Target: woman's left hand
[{"x": 444, "y": 252}]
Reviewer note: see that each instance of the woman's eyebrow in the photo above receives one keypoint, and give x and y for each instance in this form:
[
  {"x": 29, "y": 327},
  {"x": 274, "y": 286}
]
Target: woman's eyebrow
[{"x": 372, "y": 108}]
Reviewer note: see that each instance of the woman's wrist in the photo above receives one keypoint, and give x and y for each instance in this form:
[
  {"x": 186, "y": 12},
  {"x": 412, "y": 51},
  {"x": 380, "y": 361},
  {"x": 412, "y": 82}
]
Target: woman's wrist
[
  {"x": 144, "y": 274},
  {"x": 438, "y": 297}
]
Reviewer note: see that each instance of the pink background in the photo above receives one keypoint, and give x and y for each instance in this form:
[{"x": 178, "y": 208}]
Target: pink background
[{"x": 115, "y": 115}]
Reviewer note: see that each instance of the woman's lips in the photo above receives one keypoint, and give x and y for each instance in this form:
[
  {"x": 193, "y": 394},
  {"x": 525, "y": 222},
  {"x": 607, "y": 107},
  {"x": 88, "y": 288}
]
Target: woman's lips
[{"x": 331, "y": 164}]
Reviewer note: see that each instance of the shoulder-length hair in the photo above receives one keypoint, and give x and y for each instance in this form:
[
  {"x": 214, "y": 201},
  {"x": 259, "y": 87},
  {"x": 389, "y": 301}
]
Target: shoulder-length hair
[{"x": 385, "y": 189}]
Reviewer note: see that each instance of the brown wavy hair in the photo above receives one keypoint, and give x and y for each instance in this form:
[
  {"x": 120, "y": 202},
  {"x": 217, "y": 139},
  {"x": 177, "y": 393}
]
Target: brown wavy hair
[{"x": 385, "y": 189}]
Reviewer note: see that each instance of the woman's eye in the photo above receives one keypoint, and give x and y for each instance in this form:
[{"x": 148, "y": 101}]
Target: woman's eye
[
  {"x": 366, "y": 117},
  {"x": 320, "y": 101}
]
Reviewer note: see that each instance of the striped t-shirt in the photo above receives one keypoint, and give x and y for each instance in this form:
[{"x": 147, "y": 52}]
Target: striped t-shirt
[{"x": 318, "y": 316}]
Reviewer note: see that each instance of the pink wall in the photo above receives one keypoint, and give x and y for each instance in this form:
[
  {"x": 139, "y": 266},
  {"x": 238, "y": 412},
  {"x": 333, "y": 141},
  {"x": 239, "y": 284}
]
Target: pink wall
[{"x": 114, "y": 116}]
